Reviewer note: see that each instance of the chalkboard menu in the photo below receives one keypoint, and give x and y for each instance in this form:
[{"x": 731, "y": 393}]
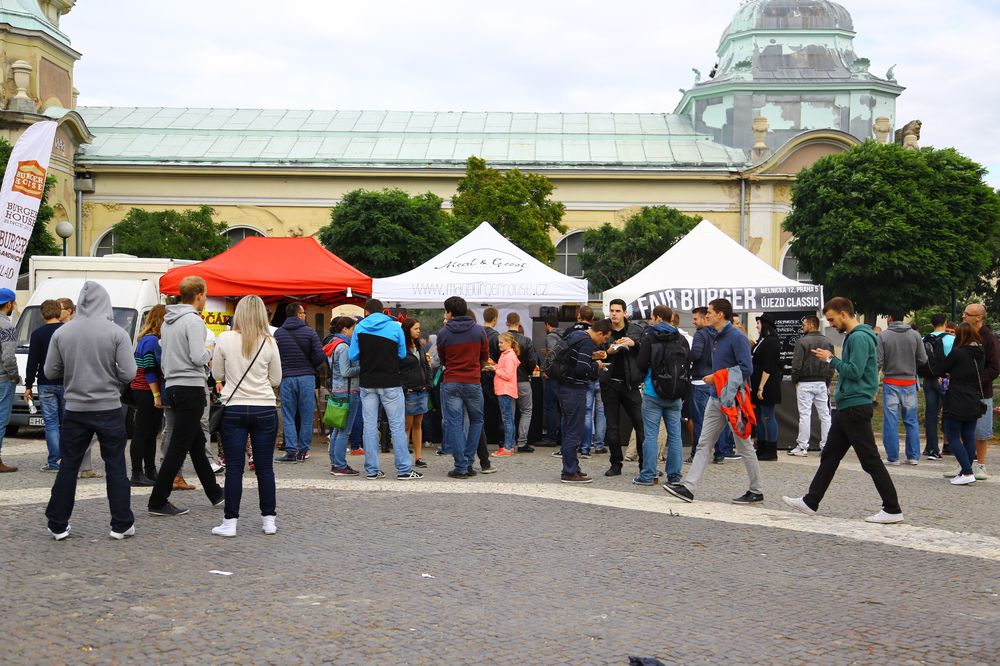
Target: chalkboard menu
[{"x": 789, "y": 325}]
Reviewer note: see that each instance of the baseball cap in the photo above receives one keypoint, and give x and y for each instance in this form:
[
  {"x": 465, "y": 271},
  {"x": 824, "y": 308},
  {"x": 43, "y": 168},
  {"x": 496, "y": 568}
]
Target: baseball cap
[{"x": 6, "y": 296}]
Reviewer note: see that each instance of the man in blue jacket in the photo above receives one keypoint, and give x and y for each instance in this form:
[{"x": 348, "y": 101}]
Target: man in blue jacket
[
  {"x": 379, "y": 345},
  {"x": 701, "y": 365},
  {"x": 730, "y": 352},
  {"x": 301, "y": 353}
]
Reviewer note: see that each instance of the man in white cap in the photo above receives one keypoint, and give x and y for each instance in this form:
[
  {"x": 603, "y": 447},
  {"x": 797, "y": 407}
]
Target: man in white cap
[{"x": 9, "y": 378}]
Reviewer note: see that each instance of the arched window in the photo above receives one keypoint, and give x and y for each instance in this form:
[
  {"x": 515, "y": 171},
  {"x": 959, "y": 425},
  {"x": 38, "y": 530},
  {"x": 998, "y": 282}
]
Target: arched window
[
  {"x": 567, "y": 254},
  {"x": 106, "y": 244},
  {"x": 790, "y": 268},
  {"x": 236, "y": 234}
]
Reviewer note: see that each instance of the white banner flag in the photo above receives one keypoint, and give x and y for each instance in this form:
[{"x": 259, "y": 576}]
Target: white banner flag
[{"x": 21, "y": 194}]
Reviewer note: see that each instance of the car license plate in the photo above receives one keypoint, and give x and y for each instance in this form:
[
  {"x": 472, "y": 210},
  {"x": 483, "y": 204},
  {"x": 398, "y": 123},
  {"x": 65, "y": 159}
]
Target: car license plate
[{"x": 36, "y": 421}]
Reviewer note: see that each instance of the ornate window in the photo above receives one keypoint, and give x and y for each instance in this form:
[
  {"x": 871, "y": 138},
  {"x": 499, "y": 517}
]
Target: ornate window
[
  {"x": 236, "y": 234},
  {"x": 567, "y": 254},
  {"x": 790, "y": 268},
  {"x": 106, "y": 244}
]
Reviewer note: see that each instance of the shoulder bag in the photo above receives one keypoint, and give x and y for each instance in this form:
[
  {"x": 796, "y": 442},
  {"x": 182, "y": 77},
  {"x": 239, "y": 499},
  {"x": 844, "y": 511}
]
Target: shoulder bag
[{"x": 215, "y": 417}]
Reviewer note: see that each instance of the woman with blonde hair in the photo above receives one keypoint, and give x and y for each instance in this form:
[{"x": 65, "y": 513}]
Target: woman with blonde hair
[
  {"x": 146, "y": 395},
  {"x": 246, "y": 359}
]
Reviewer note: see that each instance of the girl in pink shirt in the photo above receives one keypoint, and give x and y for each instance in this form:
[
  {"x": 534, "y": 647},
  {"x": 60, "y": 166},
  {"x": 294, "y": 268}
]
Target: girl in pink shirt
[{"x": 505, "y": 386}]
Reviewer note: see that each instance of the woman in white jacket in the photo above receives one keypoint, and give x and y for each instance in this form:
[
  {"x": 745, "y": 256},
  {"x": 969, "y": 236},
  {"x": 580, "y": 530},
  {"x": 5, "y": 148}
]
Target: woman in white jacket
[{"x": 246, "y": 359}]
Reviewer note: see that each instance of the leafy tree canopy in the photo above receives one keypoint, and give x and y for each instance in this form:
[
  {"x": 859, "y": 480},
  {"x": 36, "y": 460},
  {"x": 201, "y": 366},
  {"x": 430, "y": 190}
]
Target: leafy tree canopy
[
  {"x": 611, "y": 255},
  {"x": 517, "y": 204},
  {"x": 387, "y": 232},
  {"x": 41, "y": 241},
  {"x": 886, "y": 226},
  {"x": 191, "y": 234}
]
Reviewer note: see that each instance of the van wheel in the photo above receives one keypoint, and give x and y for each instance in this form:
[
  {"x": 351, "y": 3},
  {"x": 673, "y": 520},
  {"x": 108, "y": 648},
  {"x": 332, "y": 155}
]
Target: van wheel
[{"x": 11, "y": 430}]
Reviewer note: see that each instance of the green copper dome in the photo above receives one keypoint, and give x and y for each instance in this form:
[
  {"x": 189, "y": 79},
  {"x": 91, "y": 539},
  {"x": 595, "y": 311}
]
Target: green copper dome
[
  {"x": 789, "y": 15},
  {"x": 28, "y": 15}
]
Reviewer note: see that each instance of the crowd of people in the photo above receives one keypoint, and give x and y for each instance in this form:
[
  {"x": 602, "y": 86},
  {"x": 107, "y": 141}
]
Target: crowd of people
[{"x": 717, "y": 383}]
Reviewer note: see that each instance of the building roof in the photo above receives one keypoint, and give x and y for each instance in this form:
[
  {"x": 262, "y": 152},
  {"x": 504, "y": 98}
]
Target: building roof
[
  {"x": 397, "y": 139},
  {"x": 28, "y": 15}
]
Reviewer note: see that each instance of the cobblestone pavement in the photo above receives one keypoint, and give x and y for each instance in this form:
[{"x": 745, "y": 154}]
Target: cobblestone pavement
[{"x": 512, "y": 568}]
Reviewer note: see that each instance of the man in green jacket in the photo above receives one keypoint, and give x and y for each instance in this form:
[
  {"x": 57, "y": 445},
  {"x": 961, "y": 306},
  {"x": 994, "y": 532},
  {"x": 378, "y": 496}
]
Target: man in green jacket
[{"x": 857, "y": 371}]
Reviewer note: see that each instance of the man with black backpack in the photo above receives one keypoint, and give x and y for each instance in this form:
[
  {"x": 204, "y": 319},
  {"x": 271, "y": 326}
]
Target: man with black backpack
[
  {"x": 664, "y": 364},
  {"x": 937, "y": 345}
]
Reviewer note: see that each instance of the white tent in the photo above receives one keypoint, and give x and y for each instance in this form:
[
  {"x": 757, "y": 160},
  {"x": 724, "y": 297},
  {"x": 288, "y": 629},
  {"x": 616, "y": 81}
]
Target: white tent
[
  {"x": 483, "y": 267},
  {"x": 707, "y": 264}
]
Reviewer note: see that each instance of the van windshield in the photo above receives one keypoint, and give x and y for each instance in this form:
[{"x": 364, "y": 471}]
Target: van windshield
[{"x": 31, "y": 319}]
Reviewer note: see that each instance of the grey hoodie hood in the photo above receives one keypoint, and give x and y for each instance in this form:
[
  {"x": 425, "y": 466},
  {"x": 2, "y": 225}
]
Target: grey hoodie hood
[{"x": 94, "y": 302}]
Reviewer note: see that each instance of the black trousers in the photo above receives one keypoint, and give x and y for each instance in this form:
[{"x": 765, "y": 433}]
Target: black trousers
[
  {"x": 618, "y": 398},
  {"x": 148, "y": 420},
  {"x": 852, "y": 427},
  {"x": 187, "y": 439}
]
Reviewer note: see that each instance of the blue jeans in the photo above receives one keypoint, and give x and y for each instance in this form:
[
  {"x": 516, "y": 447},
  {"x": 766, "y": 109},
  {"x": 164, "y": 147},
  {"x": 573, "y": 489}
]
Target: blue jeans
[
  {"x": 298, "y": 401},
  {"x": 895, "y": 398},
  {"x": 6, "y": 404},
  {"x": 961, "y": 437},
  {"x": 77, "y": 431},
  {"x": 339, "y": 436},
  {"x": 457, "y": 401},
  {"x": 573, "y": 405},
  {"x": 551, "y": 409},
  {"x": 260, "y": 424},
  {"x": 507, "y": 414},
  {"x": 53, "y": 403},
  {"x": 933, "y": 399},
  {"x": 595, "y": 426},
  {"x": 767, "y": 423},
  {"x": 724, "y": 446},
  {"x": 653, "y": 409},
  {"x": 392, "y": 401}
]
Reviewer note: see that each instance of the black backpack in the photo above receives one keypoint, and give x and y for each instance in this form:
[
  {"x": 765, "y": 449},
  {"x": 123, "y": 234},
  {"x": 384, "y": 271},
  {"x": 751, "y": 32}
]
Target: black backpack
[
  {"x": 934, "y": 348},
  {"x": 671, "y": 367},
  {"x": 559, "y": 361}
]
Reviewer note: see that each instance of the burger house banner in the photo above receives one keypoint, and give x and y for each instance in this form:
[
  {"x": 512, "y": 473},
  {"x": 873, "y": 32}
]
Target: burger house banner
[
  {"x": 744, "y": 299},
  {"x": 20, "y": 196}
]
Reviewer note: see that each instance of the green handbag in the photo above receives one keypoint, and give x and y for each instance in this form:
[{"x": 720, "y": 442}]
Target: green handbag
[{"x": 335, "y": 415}]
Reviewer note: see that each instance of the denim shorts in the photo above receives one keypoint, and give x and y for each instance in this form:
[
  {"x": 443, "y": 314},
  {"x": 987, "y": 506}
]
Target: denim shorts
[
  {"x": 984, "y": 426},
  {"x": 416, "y": 403}
]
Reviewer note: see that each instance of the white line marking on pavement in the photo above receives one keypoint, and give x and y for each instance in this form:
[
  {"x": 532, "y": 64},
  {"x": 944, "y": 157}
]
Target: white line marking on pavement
[{"x": 914, "y": 537}]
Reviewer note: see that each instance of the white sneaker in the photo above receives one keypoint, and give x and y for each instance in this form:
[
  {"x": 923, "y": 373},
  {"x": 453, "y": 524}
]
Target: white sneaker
[
  {"x": 799, "y": 504},
  {"x": 122, "y": 535},
  {"x": 953, "y": 473},
  {"x": 268, "y": 526},
  {"x": 893, "y": 463},
  {"x": 912, "y": 461},
  {"x": 227, "y": 528},
  {"x": 979, "y": 470},
  {"x": 798, "y": 451},
  {"x": 885, "y": 518},
  {"x": 61, "y": 535},
  {"x": 963, "y": 480}
]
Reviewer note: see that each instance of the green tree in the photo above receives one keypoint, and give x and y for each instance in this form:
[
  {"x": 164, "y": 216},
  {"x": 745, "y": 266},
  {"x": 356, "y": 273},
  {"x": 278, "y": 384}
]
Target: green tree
[
  {"x": 41, "y": 242},
  {"x": 387, "y": 232},
  {"x": 191, "y": 234},
  {"x": 611, "y": 255},
  {"x": 517, "y": 204},
  {"x": 886, "y": 226}
]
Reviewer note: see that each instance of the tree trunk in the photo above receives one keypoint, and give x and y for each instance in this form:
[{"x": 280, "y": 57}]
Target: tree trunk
[{"x": 871, "y": 317}]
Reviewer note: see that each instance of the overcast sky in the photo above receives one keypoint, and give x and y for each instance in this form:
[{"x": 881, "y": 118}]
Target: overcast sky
[{"x": 538, "y": 55}]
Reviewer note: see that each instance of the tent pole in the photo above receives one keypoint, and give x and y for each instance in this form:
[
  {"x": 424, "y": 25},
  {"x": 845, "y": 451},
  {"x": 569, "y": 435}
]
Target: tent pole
[{"x": 743, "y": 210}]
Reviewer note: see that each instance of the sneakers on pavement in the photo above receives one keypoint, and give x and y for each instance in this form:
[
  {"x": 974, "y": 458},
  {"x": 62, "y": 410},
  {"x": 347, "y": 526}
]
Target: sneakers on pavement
[
  {"x": 49, "y": 468},
  {"x": 287, "y": 458},
  {"x": 456, "y": 474},
  {"x": 556, "y": 454},
  {"x": 912, "y": 461},
  {"x": 218, "y": 469},
  {"x": 798, "y": 451},
  {"x": 614, "y": 470},
  {"x": 268, "y": 526},
  {"x": 601, "y": 450},
  {"x": 302, "y": 455},
  {"x": 749, "y": 498},
  {"x": 799, "y": 504},
  {"x": 361, "y": 452},
  {"x": 584, "y": 455},
  {"x": 884, "y": 518},
  {"x": 226, "y": 529},
  {"x": 892, "y": 463},
  {"x": 90, "y": 474},
  {"x": 963, "y": 479},
  {"x": 419, "y": 463},
  {"x": 719, "y": 460},
  {"x": 679, "y": 491},
  {"x": 343, "y": 471},
  {"x": 527, "y": 448},
  {"x": 376, "y": 476},
  {"x": 409, "y": 475},
  {"x": 579, "y": 477},
  {"x": 59, "y": 536},
  {"x": 953, "y": 473},
  {"x": 639, "y": 482},
  {"x": 932, "y": 456},
  {"x": 502, "y": 453},
  {"x": 732, "y": 456},
  {"x": 489, "y": 469},
  {"x": 167, "y": 509},
  {"x": 220, "y": 500},
  {"x": 979, "y": 471},
  {"x": 118, "y": 536}
]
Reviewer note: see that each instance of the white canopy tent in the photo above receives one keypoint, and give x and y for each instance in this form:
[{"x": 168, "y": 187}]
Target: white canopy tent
[
  {"x": 707, "y": 264},
  {"x": 483, "y": 268}
]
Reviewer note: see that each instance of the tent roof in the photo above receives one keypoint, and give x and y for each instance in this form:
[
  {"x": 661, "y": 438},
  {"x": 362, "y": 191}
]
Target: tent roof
[
  {"x": 482, "y": 267},
  {"x": 274, "y": 268},
  {"x": 686, "y": 265}
]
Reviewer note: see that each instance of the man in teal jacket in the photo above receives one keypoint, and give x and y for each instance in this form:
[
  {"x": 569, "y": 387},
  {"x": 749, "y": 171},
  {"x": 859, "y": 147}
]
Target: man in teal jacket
[{"x": 857, "y": 371}]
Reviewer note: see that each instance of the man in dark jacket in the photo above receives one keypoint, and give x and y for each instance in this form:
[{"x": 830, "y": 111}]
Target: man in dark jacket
[
  {"x": 553, "y": 338},
  {"x": 586, "y": 361},
  {"x": 701, "y": 365},
  {"x": 492, "y": 423},
  {"x": 975, "y": 315},
  {"x": 301, "y": 353},
  {"x": 50, "y": 391},
  {"x": 529, "y": 361},
  {"x": 620, "y": 385},
  {"x": 463, "y": 350},
  {"x": 811, "y": 377}
]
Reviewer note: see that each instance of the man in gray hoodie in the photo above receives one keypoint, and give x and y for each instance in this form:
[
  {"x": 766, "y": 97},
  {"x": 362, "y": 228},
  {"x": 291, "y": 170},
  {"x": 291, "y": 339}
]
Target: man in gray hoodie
[
  {"x": 93, "y": 357},
  {"x": 900, "y": 352},
  {"x": 184, "y": 358}
]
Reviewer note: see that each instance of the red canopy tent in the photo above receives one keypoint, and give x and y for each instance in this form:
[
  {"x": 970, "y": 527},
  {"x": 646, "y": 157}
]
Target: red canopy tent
[{"x": 276, "y": 269}]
